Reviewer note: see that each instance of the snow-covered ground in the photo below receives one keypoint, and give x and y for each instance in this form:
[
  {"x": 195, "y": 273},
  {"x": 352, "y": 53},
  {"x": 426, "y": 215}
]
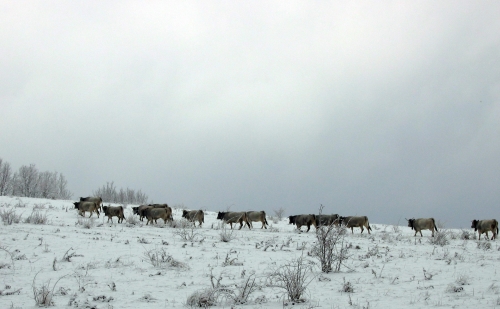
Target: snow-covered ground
[{"x": 93, "y": 264}]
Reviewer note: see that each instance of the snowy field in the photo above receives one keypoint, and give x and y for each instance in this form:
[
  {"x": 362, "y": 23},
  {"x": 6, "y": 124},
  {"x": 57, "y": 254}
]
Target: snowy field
[{"x": 89, "y": 263}]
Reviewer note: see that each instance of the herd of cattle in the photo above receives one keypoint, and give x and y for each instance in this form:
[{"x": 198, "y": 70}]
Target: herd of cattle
[{"x": 153, "y": 212}]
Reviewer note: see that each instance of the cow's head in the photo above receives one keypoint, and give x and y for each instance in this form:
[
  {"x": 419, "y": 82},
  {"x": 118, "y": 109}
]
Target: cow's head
[
  {"x": 135, "y": 210},
  {"x": 291, "y": 219},
  {"x": 411, "y": 222},
  {"x": 76, "y": 204},
  {"x": 220, "y": 215},
  {"x": 184, "y": 213},
  {"x": 105, "y": 208},
  {"x": 342, "y": 220},
  {"x": 474, "y": 224}
]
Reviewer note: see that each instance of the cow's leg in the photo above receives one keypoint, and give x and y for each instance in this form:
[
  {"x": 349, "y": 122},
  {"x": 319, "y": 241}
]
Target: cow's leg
[
  {"x": 308, "y": 227},
  {"x": 421, "y": 233},
  {"x": 362, "y": 229},
  {"x": 368, "y": 229},
  {"x": 352, "y": 230}
]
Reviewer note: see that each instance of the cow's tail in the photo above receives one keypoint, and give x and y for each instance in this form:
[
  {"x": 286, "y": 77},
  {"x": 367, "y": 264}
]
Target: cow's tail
[
  {"x": 435, "y": 227},
  {"x": 265, "y": 219}
]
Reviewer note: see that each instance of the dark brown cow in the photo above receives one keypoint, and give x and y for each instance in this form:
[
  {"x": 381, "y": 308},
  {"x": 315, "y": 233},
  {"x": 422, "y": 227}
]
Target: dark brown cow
[
  {"x": 300, "y": 220},
  {"x": 422, "y": 224},
  {"x": 194, "y": 215},
  {"x": 95, "y": 199},
  {"x": 352, "y": 222},
  {"x": 152, "y": 213},
  {"x": 257, "y": 216},
  {"x": 328, "y": 219},
  {"x": 234, "y": 217},
  {"x": 140, "y": 211},
  {"x": 113, "y": 211},
  {"x": 86, "y": 206},
  {"x": 485, "y": 226}
]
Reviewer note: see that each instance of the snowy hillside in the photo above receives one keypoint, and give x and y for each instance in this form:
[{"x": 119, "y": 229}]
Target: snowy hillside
[{"x": 89, "y": 263}]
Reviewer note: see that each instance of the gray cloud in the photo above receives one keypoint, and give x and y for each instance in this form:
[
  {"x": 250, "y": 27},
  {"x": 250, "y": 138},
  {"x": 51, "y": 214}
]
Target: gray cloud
[{"x": 389, "y": 110}]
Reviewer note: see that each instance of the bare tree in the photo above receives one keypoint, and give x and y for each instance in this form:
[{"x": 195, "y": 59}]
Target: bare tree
[
  {"x": 109, "y": 194},
  {"x": 47, "y": 185},
  {"x": 5, "y": 177},
  {"x": 279, "y": 213},
  {"x": 27, "y": 180},
  {"x": 62, "y": 191}
]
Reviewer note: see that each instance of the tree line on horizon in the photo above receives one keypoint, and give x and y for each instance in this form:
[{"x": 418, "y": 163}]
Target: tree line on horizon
[{"x": 28, "y": 181}]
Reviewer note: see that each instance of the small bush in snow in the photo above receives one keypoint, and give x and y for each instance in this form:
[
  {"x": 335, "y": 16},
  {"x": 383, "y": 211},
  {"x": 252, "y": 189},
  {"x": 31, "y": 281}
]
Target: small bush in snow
[
  {"x": 87, "y": 223},
  {"x": 440, "y": 238},
  {"x": 159, "y": 258},
  {"x": 293, "y": 277},
  {"x": 36, "y": 217},
  {"x": 329, "y": 248},
  {"x": 43, "y": 295},
  {"x": 467, "y": 235},
  {"x": 9, "y": 216},
  {"x": 187, "y": 231},
  {"x": 226, "y": 235},
  {"x": 347, "y": 287}
]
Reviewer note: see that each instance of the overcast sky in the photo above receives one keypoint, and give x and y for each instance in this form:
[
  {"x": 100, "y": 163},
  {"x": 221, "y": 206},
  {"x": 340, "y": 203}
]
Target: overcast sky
[{"x": 386, "y": 109}]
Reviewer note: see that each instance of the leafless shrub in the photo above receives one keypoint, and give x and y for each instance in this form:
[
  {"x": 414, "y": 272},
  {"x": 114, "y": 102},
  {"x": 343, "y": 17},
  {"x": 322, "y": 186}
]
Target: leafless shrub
[
  {"x": 83, "y": 279},
  {"x": 467, "y": 235},
  {"x": 244, "y": 289},
  {"x": 187, "y": 231},
  {"x": 9, "y": 216},
  {"x": 440, "y": 238},
  {"x": 484, "y": 245},
  {"x": 87, "y": 223},
  {"x": 279, "y": 213},
  {"x": 329, "y": 248},
  {"x": 68, "y": 255},
  {"x": 226, "y": 235},
  {"x": 230, "y": 261},
  {"x": 43, "y": 295},
  {"x": 210, "y": 296},
  {"x": 293, "y": 277},
  {"x": 36, "y": 217},
  {"x": 347, "y": 287},
  {"x": 159, "y": 258}
]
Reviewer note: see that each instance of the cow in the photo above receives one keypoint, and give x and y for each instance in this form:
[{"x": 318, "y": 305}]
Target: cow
[
  {"x": 352, "y": 222},
  {"x": 484, "y": 226},
  {"x": 159, "y": 205},
  {"x": 194, "y": 215},
  {"x": 257, "y": 216},
  {"x": 152, "y": 213},
  {"x": 95, "y": 199},
  {"x": 300, "y": 220},
  {"x": 234, "y": 217},
  {"x": 86, "y": 206},
  {"x": 327, "y": 219},
  {"x": 422, "y": 224},
  {"x": 140, "y": 211},
  {"x": 113, "y": 211}
]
